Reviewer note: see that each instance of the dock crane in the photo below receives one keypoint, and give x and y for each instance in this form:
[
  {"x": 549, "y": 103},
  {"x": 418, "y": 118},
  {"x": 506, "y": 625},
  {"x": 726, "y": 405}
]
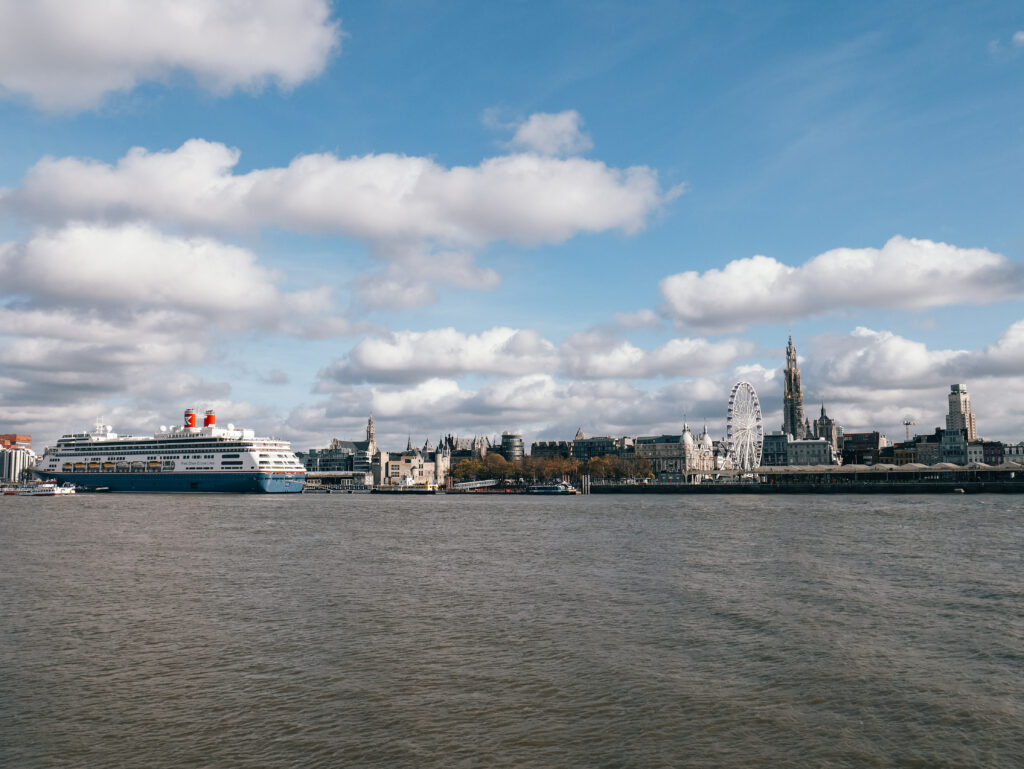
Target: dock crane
[{"x": 907, "y": 422}]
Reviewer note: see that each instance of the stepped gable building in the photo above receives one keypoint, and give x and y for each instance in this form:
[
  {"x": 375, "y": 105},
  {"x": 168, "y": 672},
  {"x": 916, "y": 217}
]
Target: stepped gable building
[
  {"x": 960, "y": 416},
  {"x": 793, "y": 420}
]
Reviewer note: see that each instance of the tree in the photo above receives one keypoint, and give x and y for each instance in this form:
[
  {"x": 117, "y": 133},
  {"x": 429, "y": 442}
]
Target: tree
[
  {"x": 496, "y": 466},
  {"x": 468, "y": 469}
]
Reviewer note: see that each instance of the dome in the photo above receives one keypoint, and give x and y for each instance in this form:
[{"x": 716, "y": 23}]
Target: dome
[{"x": 687, "y": 437}]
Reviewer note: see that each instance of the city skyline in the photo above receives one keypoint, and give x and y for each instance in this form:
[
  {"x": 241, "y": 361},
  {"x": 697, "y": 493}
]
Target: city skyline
[{"x": 471, "y": 219}]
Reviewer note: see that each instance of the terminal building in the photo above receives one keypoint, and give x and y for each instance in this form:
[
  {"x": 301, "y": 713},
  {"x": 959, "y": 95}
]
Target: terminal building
[{"x": 679, "y": 458}]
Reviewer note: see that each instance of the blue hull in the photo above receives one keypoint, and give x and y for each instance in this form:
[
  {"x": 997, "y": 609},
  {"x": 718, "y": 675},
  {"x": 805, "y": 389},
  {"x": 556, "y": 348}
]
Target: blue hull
[{"x": 236, "y": 483}]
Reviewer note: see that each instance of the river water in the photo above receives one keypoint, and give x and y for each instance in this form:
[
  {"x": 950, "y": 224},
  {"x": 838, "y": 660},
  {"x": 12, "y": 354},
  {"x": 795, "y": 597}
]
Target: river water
[{"x": 466, "y": 631}]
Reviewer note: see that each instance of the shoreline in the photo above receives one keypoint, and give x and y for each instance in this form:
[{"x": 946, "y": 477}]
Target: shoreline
[{"x": 873, "y": 487}]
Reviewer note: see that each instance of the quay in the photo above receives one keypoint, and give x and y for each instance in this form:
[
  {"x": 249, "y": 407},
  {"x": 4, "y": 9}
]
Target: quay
[
  {"x": 844, "y": 479},
  {"x": 875, "y": 487}
]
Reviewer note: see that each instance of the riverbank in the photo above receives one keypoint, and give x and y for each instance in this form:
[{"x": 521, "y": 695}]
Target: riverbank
[{"x": 873, "y": 487}]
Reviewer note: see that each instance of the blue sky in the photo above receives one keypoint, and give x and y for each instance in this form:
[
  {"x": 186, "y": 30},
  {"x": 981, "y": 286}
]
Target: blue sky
[{"x": 470, "y": 217}]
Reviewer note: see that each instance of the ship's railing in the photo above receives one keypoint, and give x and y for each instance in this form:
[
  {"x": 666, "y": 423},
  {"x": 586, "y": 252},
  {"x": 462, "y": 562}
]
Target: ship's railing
[{"x": 476, "y": 484}]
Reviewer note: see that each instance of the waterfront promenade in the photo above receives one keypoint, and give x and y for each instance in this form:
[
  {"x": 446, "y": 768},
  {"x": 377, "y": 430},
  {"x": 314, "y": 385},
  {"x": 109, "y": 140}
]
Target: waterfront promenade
[{"x": 844, "y": 479}]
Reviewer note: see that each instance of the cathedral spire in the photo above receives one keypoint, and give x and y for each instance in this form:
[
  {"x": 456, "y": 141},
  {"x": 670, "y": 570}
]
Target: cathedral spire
[{"x": 793, "y": 420}]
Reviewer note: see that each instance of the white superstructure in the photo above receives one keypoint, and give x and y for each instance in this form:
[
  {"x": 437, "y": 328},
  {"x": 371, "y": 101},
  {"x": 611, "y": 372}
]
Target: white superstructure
[{"x": 180, "y": 458}]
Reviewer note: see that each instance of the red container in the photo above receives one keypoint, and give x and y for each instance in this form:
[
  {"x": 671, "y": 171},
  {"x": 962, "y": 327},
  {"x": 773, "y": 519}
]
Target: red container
[
  {"x": 210, "y": 420},
  {"x": 190, "y": 417}
]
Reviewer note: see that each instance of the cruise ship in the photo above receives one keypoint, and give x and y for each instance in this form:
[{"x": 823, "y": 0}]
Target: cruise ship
[{"x": 185, "y": 458}]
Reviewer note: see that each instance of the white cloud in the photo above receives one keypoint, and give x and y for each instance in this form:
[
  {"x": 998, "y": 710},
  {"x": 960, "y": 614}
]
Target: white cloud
[
  {"x": 597, "y": 355},
  {"x": 871, "y": 379},
  {"x": 135, "y": 266},
  {"x": 412, "y": 273},
  {"x": 1018, "y": 38},
  {"x": 1005, "y": 356},
  {"x": 880, "y": 359},
  {"x": 888, "y": 361},
  {"x": 904, "y": 273},
  {"x": 66, "y": 55},
  {"x": 393, "y": 200},
  {"x": 532, "y": 403},
  {"x": 424, "y": 220},
  {"x": 408, "y": 356},
  {"x": 58, "y": 367},
  {"x": 552, "y": 134},
  {"x": 419, "y": 400},
  {"x": 639, "y": 319},
  {"x": 93, "y": 312},
  {"x": 537, "y": 404}
]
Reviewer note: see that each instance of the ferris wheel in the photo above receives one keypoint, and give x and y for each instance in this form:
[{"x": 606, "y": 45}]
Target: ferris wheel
[{"x": 744, "y": 431}]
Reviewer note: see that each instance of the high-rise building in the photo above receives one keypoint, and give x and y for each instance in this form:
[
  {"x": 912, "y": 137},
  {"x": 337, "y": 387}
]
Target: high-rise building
[
  {"x": 960, "y": 416},
  {"x": 14, "y": 462},
  {"x": 793, "y": 421}
]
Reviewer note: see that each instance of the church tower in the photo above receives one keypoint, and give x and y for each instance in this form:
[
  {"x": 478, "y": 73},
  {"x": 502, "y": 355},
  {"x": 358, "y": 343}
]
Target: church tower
[
  {"x": 371, "y": 437},
  {"x": 826, "y": 427},
  {"x": 793, "y": 420}
]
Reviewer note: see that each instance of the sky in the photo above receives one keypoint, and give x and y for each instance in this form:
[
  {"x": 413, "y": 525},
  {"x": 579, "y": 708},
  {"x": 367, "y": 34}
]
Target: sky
[{"x": 533, "y": 217}]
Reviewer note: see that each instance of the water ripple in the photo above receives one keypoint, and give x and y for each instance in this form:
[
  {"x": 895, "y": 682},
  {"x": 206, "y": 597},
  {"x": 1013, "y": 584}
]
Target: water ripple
[{"x": 324, "y": 631}]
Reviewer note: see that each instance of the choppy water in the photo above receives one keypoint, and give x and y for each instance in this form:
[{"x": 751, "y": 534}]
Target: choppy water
[{"x": 353, "y": 630}]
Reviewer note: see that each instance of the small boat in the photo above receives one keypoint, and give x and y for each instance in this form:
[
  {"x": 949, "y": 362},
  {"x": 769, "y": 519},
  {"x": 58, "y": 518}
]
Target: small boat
[
  {"x": 552, "y": 488},
  {"x": 406, "y": 486},
  {"x": 44, "y": 489}
]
